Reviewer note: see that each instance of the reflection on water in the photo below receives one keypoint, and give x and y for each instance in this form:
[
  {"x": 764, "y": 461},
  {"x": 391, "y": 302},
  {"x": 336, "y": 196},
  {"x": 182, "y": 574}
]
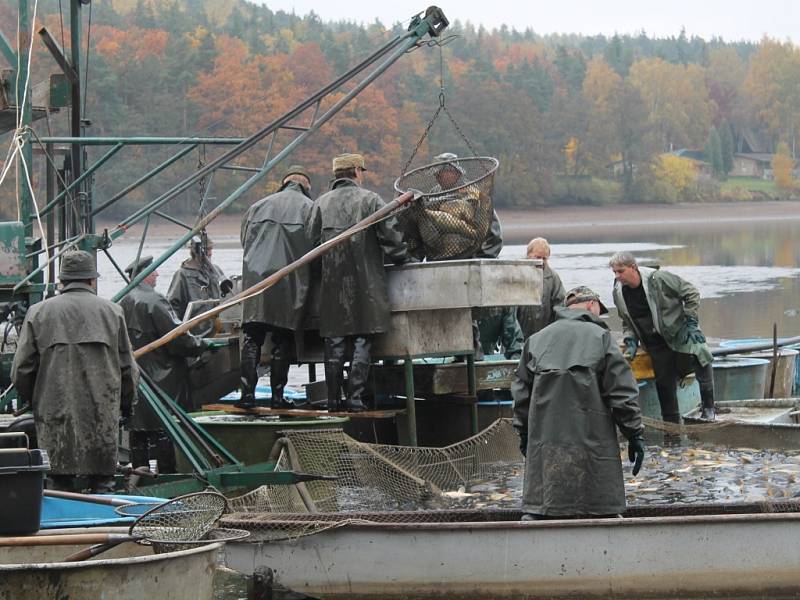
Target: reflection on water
[{"x": 747, "y": 274}]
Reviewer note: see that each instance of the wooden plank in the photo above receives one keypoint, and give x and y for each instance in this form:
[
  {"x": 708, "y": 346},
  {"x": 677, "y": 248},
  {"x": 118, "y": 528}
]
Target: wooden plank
[{"x": 299, "y": 412}]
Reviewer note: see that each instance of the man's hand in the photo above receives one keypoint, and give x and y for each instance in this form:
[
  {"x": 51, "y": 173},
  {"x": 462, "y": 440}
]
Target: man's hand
[
  {"x": 636, "y": 453},
  {"x": 225, "y": 286},
  {"x": 693, "y": 333},
  {"x": 523, "y": 443},
  {"x": 631, "y": 346}
]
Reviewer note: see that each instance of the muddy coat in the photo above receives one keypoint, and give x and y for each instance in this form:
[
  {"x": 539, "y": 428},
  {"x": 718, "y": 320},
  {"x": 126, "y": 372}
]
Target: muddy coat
[
  {"x": 572, "y": 386},
  {"x": 274, "y": 235},
  {"x": 195, "y": 280},
  {"x": 149, "y": 316},
  {"x": 535, "y": 318},
  {"x": 353, "y": 296},
  {"x": 74, "y": 365},
  {"x": 671, "y": 299}
]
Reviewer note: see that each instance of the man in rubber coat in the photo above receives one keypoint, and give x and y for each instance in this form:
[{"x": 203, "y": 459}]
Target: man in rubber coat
[
  {"x": 74, "y": 365},
  {"x": 354, "y": 302},
  {"x": 535, "y": 318},
  {"x": 149, "y": 316},
  {"x": 274, "y": 235},
  {"x": 571, "y": 389},
  {"x": 660, "y": 310},
  {"x": 197, "y": 278}
]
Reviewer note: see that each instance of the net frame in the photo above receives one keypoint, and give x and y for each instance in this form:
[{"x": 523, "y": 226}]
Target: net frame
[
  {"x": 182, "y": 519},
  {"x": 448, "y": 223}
]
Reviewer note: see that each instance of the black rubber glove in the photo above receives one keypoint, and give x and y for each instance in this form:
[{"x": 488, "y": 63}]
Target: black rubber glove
[
  {"x": 636, "y": 453},
  {"x": 631, "y": 346},
  {"x": 225, "y": 286},
  {"x": 693, "y": 333},
  {"x": 523, "y": 443}
]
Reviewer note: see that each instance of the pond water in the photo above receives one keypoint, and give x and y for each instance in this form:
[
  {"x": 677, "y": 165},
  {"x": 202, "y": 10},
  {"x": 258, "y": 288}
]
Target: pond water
[{"x": 747, "y": 273}]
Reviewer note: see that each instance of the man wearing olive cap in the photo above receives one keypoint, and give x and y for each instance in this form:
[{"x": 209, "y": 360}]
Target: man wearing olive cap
[
  {"x": 197, "y": 278},
  {"x": 354, "y": 303},
  {"x": 149, "y": 316},
  {"x": 273, "y": 235},
  {"x": 74, "y": 366},
  {"x": 571, "y": 389}
]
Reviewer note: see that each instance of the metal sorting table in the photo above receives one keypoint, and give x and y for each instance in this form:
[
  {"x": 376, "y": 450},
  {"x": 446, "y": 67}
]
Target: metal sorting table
[{"x": 432, "y": 305}]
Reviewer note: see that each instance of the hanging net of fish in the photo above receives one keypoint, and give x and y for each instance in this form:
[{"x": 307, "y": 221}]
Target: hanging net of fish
[
  {"x": 396, "y": 481},
  {"x": 453, "y": 211}
]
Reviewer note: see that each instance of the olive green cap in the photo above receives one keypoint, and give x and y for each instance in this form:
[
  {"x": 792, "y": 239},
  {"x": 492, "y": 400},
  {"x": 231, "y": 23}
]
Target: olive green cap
[
  {"x": 296, "y": 170},
  {"x": 77, "y": 265},
  {"x": 144, "y": 262},
  {"x": 583, "y": 294}
]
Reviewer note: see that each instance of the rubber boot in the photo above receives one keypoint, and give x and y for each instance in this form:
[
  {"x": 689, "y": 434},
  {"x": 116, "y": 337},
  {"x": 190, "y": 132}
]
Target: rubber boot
[
  {"x": 707, "y": 410},
  {"x": 334, "y": 364},
  {"x": 278, "y": 377},
  {"x": 357, "y": 387},
  {"x": 251, "y": 355}
]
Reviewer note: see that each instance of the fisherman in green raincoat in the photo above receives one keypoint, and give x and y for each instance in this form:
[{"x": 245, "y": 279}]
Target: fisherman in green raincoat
[
  {"x": 149, "y": 316},
  {"x": 354, "y": 300},
  {"x": 273, "y": 235},
  {"x": 660, "y": 310},
  {"x": 74, "y": 365},
  {"x": 571, "y": 389}
]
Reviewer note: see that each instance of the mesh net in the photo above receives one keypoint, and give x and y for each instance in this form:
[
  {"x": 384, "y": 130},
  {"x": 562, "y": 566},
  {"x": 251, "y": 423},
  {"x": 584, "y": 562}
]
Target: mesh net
[
  {"x": 453, "y": 215},
  {"x": 371, "y": 477},
  {"x": 185, "y": 518}
]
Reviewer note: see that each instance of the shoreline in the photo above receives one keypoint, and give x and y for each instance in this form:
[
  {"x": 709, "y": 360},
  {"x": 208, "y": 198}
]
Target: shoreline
[{"x": 569, "y": 223}]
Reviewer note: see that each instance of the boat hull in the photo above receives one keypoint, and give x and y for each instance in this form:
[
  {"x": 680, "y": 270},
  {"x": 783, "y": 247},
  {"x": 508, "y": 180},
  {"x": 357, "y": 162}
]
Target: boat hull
[
  {"x": 127, "y": 572},
  {"x": 653, "y": 557}
]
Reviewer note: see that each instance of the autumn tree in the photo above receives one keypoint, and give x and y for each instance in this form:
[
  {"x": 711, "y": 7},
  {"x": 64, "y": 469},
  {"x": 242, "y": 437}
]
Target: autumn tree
[
  {"x": 782, "y": 166},
  {"x": 771, "y": 88}
]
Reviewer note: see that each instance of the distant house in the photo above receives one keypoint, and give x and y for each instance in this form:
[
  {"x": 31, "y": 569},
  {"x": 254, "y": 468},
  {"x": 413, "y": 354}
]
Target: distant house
[{"x": 752, "y": 164}]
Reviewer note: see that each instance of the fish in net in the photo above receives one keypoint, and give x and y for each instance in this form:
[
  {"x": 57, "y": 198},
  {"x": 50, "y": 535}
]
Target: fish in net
[{"x": 453, "y": 211}]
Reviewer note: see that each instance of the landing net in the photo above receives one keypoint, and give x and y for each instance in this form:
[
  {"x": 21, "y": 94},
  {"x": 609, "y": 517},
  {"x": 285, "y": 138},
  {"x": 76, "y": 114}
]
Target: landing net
[
  {"x": 453, "y": 214},
  {"x": 371, "y": 478}
]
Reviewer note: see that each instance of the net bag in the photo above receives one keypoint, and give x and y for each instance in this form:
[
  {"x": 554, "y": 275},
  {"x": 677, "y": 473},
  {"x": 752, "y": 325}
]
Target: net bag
[{"x": 453, "y": 213}]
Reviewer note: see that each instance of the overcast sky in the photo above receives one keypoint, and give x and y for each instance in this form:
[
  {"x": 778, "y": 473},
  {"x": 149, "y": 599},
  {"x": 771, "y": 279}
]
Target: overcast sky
[{"x": 731, "y": 19}]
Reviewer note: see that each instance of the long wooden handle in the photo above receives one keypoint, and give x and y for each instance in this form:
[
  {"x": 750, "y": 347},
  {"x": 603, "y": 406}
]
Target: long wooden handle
[
  {"x": 66, "y": 539},
  {"x": 91, "y": 551},
  {"x": 108, "y": 501},
  {"x": 278, "y": 275}
]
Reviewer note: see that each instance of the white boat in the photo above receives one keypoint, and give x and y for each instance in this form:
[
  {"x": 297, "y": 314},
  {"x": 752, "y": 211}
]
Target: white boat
[
  {"x": 128, "y": 572},
  {"x": 730, "y": 551}
]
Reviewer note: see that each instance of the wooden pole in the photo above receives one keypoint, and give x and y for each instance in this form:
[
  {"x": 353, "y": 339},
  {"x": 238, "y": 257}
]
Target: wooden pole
[{"x": 278, "y": 275}]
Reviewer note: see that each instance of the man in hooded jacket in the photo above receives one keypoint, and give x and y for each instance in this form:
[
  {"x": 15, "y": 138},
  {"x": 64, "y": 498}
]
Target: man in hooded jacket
[
  {"x": 571, "y": 389},
  {"x": 74, "y": 365},
  {"x": 274, "y": 235},
  {"x": 197, "y": 278},
  {"x": 354, "y": 301},
  {"x": 660, "y": 310}
]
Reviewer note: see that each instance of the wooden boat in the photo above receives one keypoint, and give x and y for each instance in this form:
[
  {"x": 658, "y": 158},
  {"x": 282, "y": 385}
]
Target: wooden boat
[
  {"x": 767, "y": 423},
  {"x": 128, "y": 572},
  {"x": 691, "y": 551}
]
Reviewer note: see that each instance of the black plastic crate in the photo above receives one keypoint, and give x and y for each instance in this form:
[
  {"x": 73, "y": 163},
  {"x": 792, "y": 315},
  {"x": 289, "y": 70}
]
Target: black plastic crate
[{"x": 21, "y": 485}]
